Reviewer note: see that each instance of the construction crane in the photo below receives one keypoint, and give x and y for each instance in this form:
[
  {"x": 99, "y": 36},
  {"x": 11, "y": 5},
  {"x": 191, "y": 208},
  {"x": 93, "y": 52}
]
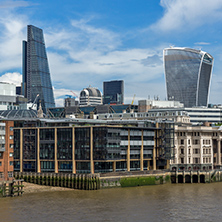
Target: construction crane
[
  {"x": 75, "y": 96},
  {"x": 34, "y": 101},
  {"x": 133, "y": 99}
]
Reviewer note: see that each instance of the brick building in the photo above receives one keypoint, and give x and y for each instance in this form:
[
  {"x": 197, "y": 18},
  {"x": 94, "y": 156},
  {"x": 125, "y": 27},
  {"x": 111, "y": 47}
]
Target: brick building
[{"x": 6, "y": 150}]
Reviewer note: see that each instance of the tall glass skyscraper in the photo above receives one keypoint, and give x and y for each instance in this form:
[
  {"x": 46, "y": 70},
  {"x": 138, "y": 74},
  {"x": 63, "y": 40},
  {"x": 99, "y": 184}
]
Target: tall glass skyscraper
[
  {"x": 188, "y": 74},
  {"x": 113, "y": 92},
  {"x": 36, "y": 75}
]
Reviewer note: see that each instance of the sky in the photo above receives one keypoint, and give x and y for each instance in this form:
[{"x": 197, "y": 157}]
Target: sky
[{"x": 91, "y": 41}]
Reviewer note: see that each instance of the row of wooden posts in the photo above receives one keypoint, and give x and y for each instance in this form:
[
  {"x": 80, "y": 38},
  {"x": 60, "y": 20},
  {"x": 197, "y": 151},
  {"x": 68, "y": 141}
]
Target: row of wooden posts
[
  {"x": 74, "y": 181},
  {"x": 11, "y": 188}
]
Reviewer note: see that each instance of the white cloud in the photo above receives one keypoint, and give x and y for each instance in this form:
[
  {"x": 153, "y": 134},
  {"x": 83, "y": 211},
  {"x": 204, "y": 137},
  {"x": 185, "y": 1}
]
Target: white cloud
[
  {"x": 182, "y": 15},
  {"x": 12, "y": 32},
  {"x": 202, "y": 43},
  {"x": 85, "y": 55},
  {"x": 15, "y": 78},
  {"x": 60, "y": 94},
  {"x": 14, "y": 4}
]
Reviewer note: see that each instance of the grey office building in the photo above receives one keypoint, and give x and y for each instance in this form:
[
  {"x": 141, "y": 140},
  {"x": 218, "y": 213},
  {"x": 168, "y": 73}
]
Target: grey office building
[
  {"x": 113, "y": 92},
  {"x": 188, "y": 74},
  {"x": 36, "y": 75}
]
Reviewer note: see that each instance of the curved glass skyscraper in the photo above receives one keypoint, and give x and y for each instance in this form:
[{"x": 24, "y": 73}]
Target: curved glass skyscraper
[
  {"x": 36, "y": 75},
  {"x": 188, "y": 74}
]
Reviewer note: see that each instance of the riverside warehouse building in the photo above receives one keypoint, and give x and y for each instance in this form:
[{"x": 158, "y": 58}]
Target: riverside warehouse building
[{"x": 91, "y": 146}]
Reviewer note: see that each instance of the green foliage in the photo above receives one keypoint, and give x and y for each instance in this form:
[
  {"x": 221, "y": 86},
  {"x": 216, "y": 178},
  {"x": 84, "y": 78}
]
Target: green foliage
[
  {"x": 167, "y": 178},
  {"x": 137, "y": 181}
]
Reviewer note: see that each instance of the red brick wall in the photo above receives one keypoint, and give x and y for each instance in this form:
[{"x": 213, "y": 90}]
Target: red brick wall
[{"x": 7, "y": 156}]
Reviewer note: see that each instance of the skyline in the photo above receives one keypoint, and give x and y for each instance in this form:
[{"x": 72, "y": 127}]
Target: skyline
[{"x": 87, "y": 43}]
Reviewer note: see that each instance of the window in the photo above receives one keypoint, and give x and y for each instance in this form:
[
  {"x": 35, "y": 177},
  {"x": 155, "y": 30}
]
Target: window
[
  {"x": 196, "y": 160},
  {"x": 11, "y": 145},
  {"x": 11, "y": 154},
  {"x": 181, "y": 142},
  {"x": 182, "y": 160},
  {"x": 182, "y": 151},
  {"x": 188, "y": 151},
  {"x": 0, "y": 154},
  {"x": 11, "y": 128},
  {"x": 195, "y": 142},
  {"x": 196, "y": 151},
  {"x": 0, "y": 163},
  {"x": 204, "y": 151},
  {"x": 189, "y": 159},
  {"x": 10, "y": 174},
  {"x": 189, "y": 141},
  {"x": 11, "y": 137},
  {"x": 11, "y": 163}
]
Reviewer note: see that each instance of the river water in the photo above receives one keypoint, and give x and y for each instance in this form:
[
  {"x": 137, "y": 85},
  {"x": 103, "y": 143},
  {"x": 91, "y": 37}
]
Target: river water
[{"x": 171, "y": 202}]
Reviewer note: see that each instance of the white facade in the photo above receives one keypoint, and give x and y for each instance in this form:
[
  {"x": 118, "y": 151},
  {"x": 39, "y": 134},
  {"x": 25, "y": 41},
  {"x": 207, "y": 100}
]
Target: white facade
[
  {"x": 197, "y": 148},
  {"x": 90, "y": 97},
  {"x": 7, "y": 95}
]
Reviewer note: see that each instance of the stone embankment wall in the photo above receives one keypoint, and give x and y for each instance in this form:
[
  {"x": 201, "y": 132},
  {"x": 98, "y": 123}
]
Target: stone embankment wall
[
  {"x": 196, "y": 176},
  {"x": 134, "y": 180}
]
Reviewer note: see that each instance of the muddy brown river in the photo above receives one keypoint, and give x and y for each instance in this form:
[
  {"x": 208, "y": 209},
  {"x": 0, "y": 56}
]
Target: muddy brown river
[{"x": 171, "y": 202}]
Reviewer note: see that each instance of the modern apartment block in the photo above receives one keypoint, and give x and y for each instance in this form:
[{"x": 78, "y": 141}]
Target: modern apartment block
[
  {"x": 188, "y": 74},
  {"x": 113, "y": 92},
  {"x": 6, "y": 150},
  {"x": 92, "y": 146},
  {"x": 36, "y": 75},
  {"x": 197, "y": 148}
]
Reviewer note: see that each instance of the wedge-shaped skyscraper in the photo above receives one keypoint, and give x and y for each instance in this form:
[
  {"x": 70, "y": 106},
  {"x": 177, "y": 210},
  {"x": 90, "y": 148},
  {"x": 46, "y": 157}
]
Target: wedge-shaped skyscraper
[
  {"x": 188, "y": 74},
  {"x": 36, "y": 75}
]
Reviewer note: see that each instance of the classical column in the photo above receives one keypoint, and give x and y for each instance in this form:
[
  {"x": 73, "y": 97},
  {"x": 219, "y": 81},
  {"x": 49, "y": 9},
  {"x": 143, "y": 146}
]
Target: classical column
[
  {"x": 21, "y": 150},
  {"x": 128, "y": 152},
  {"x": 73, "y": 152},
  {"x": 56, "y": 161},
  {"x": 91, "y": 151},
  {"x": 114, "y": 166},
  {"x": 141, "y": 152},
  {"x": 38, "y": 152}
]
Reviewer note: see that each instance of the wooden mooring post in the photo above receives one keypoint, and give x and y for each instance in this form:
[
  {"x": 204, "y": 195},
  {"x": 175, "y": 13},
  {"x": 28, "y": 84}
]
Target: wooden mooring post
[
  {"x": 11, "y": 188},
  {"x": 74, "y": 181}
]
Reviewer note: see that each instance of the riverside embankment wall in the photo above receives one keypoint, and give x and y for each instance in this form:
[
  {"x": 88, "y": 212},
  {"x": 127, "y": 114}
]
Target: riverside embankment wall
[{"x": 118, "y": 179}]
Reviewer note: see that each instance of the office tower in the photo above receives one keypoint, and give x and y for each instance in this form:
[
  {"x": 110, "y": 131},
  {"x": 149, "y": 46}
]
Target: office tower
[
  {"x": 188, "y": 74},
  {"x": 37, "y": 84},
  {"x": 113, "y": 92}
]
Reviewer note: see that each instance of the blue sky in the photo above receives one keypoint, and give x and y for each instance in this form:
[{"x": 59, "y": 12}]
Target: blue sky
[{"x": 90, "y": 41}]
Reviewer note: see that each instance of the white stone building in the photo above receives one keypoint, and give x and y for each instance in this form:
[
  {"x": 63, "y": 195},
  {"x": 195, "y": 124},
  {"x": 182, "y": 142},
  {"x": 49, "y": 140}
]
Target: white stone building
[{"x": 197, "y": 148}]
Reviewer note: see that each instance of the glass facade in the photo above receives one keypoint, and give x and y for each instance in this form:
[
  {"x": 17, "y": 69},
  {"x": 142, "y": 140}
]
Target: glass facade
[
  {"x": 36, "y": 75},
  {"x": 188, "y": 74},
  {"x": 82, "y": 144},
  {"x": 113, "y": 92},
  {"x": 64, "y": 144},
  {"x": 47, "y": 144},
  {"x": 16, "y": 144},
  {"x": 114, "y": 148}
]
